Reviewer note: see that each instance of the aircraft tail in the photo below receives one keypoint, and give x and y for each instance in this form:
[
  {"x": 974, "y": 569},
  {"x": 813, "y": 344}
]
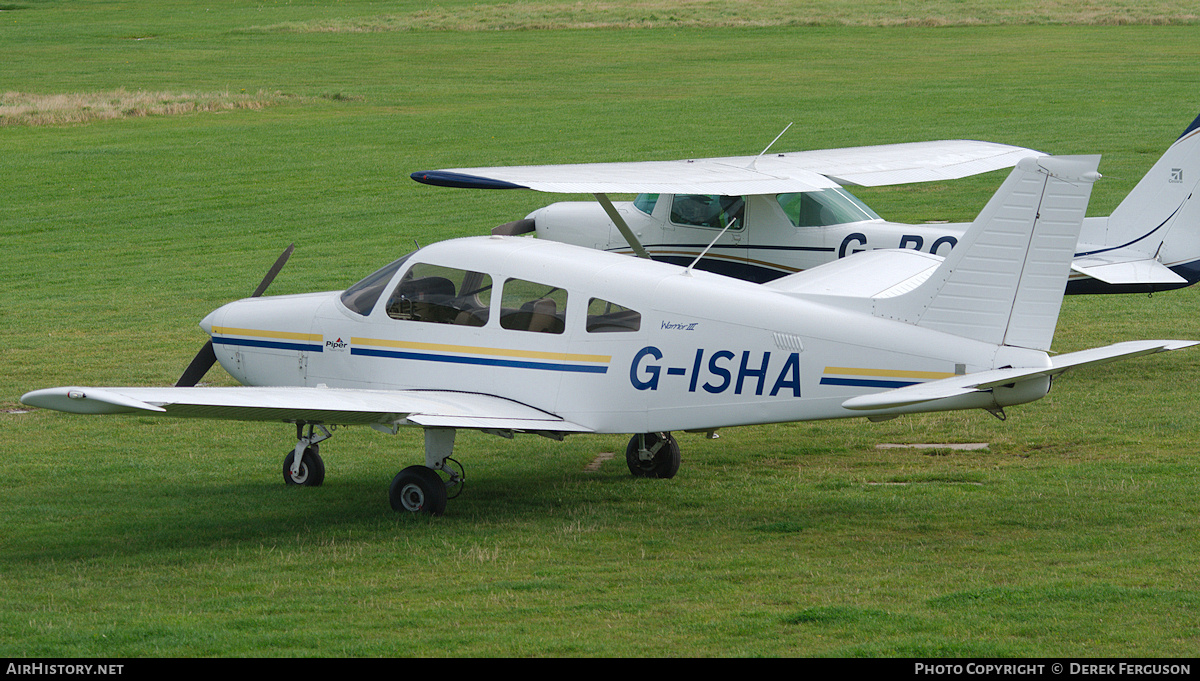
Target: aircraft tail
[
  {"x": 1157, "y": 224},
  {"x": 1004, "y": 281}
]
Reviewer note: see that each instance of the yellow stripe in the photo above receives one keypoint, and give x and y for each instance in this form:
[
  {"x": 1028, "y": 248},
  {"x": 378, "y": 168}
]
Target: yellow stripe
[
  {"x": 290, "y": 335},
  {"x": 474, "y": 350},
  {"x": 891, "y": 373}
]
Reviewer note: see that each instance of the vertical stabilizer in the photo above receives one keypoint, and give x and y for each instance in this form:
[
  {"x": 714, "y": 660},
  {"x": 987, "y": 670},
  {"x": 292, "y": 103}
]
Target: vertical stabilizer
[
  {"x": 1162, "y": 203},
  {"x": 1004, "y": 281}
]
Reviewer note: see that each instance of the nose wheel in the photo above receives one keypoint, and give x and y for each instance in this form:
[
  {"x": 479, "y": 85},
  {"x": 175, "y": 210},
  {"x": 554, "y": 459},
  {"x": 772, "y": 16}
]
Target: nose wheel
[
  {"x": 310, "y": 473},
  {"x": 303, "y": 465}
]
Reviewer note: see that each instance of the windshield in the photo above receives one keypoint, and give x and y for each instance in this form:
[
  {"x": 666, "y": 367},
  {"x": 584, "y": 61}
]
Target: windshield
[
  {"x": 361, "y": 297},
  {"x": 825, "y": 207}
]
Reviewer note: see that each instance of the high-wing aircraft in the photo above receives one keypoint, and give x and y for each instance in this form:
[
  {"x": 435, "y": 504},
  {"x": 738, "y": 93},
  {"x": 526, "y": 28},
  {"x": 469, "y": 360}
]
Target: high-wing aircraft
[
  {"x": 513, "y": 335},
  {"x": 763, "y": 217}
]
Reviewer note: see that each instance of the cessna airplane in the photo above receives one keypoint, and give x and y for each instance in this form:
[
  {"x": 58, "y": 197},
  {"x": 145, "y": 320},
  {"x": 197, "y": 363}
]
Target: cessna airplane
[
  {"x": 764, "y": 217},
  {"x": 513, "y": 335}
]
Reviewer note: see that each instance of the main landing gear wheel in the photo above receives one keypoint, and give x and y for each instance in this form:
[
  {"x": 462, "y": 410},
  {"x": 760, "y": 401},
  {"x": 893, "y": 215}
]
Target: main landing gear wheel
[
  {"x": 652, "y": 455},
  {"x": 312, "y": 468},
  {"x": 418, "y": 489}
]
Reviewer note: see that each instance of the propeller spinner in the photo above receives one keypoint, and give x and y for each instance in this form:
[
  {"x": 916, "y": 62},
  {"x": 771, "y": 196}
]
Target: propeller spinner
[{"x": 204, "y": 359}]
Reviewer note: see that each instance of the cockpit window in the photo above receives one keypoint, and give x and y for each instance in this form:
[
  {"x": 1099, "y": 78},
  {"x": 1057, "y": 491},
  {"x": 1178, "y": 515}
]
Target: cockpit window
[
  {"x": 706, "y": 210},
  {"x": 646, "y": 203},
  {"x": 361, "y": 297},
  {"x": 606, "y": 317},
  {"x": 825, "y": 207},
  {"x": 530, "y": 306},
  {"x": 442, "y": 295}
]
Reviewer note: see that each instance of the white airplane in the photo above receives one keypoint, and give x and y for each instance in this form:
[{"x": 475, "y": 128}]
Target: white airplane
[
  {"x": 513, "y": 335},
  {"x": 764, "y": 217}
]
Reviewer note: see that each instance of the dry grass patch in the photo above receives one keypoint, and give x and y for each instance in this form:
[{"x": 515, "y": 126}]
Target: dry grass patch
[
  {"x": 23, "y": 108},
  {"x": 501, "y": 16}
]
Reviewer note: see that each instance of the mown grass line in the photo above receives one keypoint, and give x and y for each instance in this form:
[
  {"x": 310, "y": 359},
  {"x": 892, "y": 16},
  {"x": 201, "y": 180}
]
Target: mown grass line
[
  {"x": 524, "y": 16},
  {"x": 23, "y": 108}
]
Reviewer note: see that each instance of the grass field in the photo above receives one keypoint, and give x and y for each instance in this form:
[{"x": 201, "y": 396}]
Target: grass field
[{"x": 1073, "y": 534}]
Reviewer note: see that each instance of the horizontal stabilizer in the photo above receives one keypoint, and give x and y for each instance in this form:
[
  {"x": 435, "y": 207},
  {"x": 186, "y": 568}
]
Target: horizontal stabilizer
[
  {"x": 1113, "y": 269},
  {"x": 441, "y": 408},
  {"x": 871, "y": 274},
  {"x": 986, "y": 380}
]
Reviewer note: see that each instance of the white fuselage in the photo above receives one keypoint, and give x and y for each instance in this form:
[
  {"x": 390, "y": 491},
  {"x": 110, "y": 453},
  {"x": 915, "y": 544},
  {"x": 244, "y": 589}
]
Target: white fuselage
[
  {"x": 629, "y": 345},
  {"x": 766, "y": 245}
]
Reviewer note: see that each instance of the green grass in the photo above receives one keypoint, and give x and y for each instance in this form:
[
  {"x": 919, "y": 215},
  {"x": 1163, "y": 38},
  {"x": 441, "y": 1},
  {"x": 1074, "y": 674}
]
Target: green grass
[{"x": 1073, "y": 534}]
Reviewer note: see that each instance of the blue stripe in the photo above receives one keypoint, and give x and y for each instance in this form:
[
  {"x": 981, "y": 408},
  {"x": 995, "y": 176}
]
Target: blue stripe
[
  {"x": 865, "y": 383},
  {"x": 1195, "y": 124},
  {"x": 1113, "y": 248},
  {"x": 267, "y": 344},
  {"x": 486, "y": 361},
  {"x": 442, "y": 178}
]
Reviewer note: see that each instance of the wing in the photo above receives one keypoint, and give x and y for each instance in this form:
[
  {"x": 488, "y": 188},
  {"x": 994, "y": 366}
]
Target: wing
[
  {"x": 986, "y": 380},
  {"x": 439, "y": 408},
  {"x": 799, "y": 171}
]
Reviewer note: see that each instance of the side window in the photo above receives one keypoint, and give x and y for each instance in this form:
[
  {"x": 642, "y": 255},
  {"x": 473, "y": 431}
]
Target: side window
[
  {"x": 530, "y": 306},
  {"x": 801, "y": 209},
  {"x": 606, "y": 317},
  {"x": 646, "y": 203},
  {"x": 705, "y": 210},
  {"x": 442, "y": 295}
]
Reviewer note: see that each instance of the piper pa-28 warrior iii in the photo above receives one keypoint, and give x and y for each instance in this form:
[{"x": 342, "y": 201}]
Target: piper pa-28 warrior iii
[
  {"x": 760, "y": 218},
  {"x": 513, "y": 335}
]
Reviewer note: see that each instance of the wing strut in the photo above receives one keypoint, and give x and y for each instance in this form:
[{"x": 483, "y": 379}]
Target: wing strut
[{"x": 621, "y": 226}]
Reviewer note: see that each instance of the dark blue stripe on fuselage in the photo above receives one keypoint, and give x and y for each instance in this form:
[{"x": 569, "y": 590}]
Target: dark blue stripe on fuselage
[
  {"x": 865, "y": 383},
  {"x": 274, "y": 345},
  {"x": 485, "y": 361}
]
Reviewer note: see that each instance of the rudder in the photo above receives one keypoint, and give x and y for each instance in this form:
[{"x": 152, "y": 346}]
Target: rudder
[{"x": 1004, "y": 281}]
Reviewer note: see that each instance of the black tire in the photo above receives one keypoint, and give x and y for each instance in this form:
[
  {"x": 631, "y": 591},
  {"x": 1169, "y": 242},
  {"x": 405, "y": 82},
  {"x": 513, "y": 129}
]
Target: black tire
[
  {"x": 312, "y": 468},
  {"x": 418, "y": 489},
  {"x": 664, "y": 464}
]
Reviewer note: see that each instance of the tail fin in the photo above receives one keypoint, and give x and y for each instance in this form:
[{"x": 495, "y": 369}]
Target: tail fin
[
  {"x": 1004, "y": 281},
  {"x": 1162, "y": 203}
]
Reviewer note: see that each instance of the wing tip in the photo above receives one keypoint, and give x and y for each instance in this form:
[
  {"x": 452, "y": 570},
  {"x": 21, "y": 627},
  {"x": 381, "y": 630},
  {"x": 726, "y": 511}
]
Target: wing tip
[{"x": 445, "y": 178}]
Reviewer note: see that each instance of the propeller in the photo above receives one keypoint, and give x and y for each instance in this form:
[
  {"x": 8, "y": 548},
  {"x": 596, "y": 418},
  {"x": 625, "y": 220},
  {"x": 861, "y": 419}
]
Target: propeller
[{"x": 207, "y": 357}]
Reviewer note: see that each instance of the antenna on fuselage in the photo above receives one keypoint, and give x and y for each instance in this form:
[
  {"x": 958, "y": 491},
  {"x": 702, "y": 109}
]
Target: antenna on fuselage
[
  {"x": 688, "y": 271},
  {"x": 789, "y": 125}
]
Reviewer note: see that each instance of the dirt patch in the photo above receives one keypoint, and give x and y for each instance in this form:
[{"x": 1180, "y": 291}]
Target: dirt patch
[{"x": 23, "y": 108}]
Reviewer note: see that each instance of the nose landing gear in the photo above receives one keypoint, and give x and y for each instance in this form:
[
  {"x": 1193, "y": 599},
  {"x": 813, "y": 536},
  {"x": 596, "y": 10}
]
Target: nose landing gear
[{"x": 303, "y": 465}]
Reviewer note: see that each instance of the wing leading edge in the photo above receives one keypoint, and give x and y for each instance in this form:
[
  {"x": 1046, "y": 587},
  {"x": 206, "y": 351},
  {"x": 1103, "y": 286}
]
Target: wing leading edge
[{"x": 433, "y": 408}]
